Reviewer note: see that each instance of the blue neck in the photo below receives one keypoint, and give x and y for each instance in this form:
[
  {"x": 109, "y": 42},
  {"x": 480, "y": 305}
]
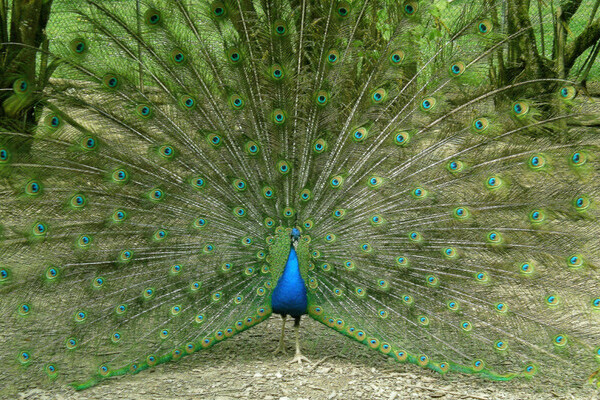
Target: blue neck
[{"x": 289, "y": 295}]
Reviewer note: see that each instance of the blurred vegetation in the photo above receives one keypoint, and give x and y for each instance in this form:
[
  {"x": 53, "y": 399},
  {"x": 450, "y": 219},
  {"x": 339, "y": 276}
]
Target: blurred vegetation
[
  {"x": 23, "y": 68},
  {"x": 555, "y": 39}
]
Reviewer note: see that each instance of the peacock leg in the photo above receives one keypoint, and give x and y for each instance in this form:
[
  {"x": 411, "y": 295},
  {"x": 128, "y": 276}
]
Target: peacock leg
[
  {"x": 298, "y": 357},
  {"x": 281, "y": 347}
]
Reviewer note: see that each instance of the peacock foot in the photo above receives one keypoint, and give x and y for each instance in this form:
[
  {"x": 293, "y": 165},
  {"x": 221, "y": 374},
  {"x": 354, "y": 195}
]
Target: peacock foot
[
  {"x": 299, "y": 358},
  {"x": 280, "y": 349}
]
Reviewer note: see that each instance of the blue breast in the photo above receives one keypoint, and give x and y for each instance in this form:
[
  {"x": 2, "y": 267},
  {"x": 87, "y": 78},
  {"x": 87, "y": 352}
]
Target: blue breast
[{"x": 289, "y": 296}]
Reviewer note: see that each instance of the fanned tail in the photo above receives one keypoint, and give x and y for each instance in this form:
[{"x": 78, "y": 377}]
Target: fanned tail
[{"x": 442, "y": 223}]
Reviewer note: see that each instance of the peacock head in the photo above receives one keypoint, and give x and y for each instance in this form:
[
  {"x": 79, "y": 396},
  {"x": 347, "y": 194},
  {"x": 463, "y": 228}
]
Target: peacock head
[{"x": 295, "y": 234}]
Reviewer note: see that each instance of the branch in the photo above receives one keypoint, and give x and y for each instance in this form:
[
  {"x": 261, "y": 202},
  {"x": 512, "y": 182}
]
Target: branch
[
  {"x": 587, "y": 38},
  {"x": 3, "y": 21},
  {"x": 569, "y": 8}
]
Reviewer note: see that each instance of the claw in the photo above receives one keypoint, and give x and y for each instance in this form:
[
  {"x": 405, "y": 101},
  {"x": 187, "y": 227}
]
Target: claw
[
  {"x": 299, "y": 358},
  {"x": 280, "y": 349}
]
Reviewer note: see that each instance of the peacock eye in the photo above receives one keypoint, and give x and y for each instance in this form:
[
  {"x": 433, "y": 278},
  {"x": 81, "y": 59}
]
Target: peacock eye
[
  {"x": 397, "y": 57},
  {"x": 333, "y": 56},
  {"x": 343, "y": 9},
  {"x": 236, "y": 102},
  {"x": 152, "y": 17},
  {"x": 280, "y": 28},
  {"x": 89, "y": 143},
  {"x": 178, "y": 57},
  {"x": 484, "y": 27},
  {"x": 188, "y": 102},
  {"x": 428, "y": 104},
  {"x": 457, "y": 69},
  {"x": 520, "y": 108},
  {"x": 78, "y": 46},
  {"x": 378, "y": 96},
  {"x": 218, "y": 10}
]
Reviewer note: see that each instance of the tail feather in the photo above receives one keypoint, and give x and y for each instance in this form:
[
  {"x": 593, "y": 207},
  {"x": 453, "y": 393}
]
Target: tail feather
[{"x": 442, "y": 222}]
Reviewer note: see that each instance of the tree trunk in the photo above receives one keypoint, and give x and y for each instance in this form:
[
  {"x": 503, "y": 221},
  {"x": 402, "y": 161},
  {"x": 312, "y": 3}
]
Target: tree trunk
[{"x": 18, "y": 59}]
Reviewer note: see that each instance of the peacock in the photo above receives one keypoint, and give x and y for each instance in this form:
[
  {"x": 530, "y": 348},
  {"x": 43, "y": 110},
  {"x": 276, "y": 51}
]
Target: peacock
[{"x": 200, "y": 165}]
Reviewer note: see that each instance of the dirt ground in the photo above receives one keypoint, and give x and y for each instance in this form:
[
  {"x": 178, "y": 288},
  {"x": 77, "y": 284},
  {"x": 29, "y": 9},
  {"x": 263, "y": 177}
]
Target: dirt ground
[{"x": 245, "y": 368}]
